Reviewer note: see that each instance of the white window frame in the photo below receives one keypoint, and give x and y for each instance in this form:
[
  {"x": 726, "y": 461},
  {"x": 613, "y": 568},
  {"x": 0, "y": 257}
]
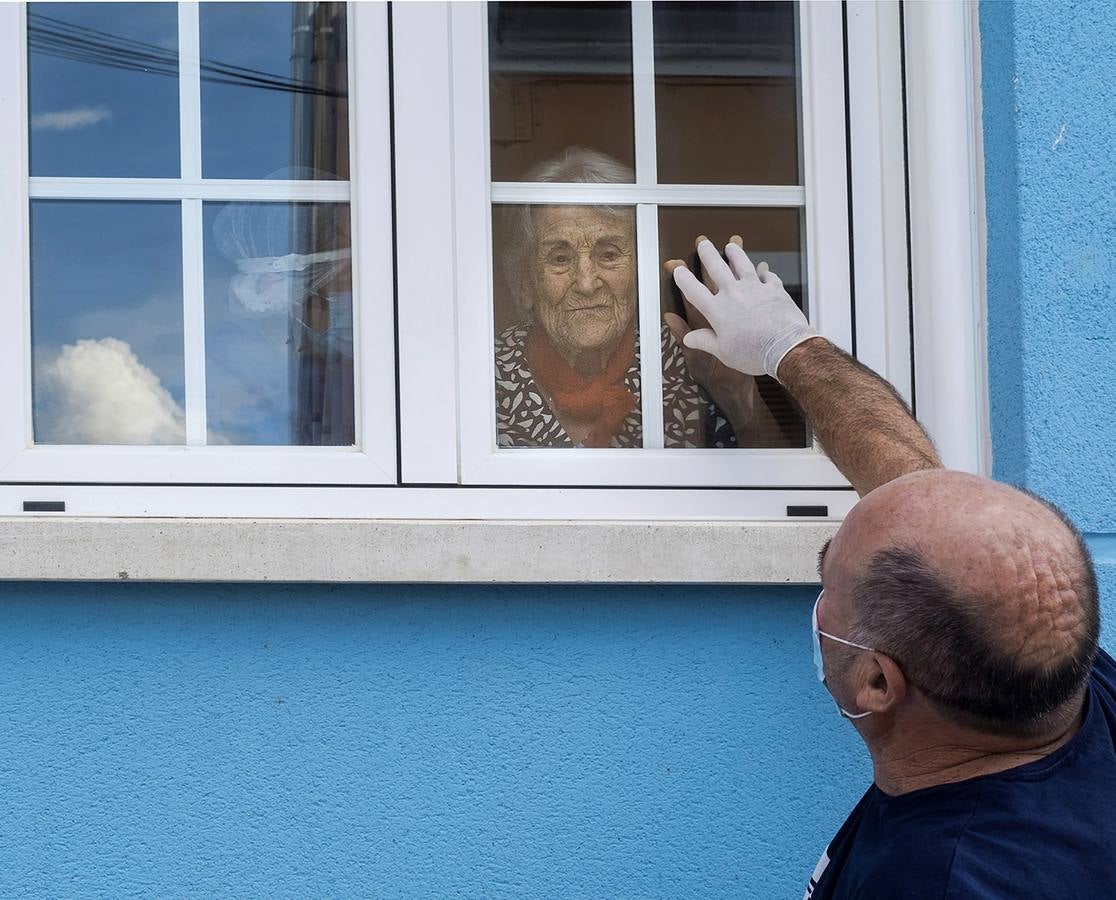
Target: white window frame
[
  {"x": 372, "y": 459},
  {"x": 945, "y": 201},
  {"x": 465, "y": 415}
]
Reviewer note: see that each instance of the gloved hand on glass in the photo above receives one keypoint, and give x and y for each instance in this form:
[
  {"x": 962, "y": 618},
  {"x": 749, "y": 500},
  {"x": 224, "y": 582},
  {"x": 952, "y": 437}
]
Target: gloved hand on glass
[{"x": 752, "y": 322}]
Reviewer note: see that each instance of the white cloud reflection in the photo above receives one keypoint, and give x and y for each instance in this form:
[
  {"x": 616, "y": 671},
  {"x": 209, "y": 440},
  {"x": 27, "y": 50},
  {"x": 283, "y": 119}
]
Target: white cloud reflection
[
  {"x": 98, "y": 392},
  {"x": 69, "y": 119}
]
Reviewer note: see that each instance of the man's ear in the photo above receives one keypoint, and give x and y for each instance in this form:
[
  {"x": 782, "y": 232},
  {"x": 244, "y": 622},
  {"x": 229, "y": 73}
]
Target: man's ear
[{"x": 883, "y": 685}]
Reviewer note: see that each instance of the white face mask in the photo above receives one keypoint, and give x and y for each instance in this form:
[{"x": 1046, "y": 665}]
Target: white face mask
[
  {"x": 818, "y": 663},
  {"x": 271, "y": 284}
]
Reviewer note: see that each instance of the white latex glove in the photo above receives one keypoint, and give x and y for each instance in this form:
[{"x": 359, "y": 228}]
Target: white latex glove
[{"x": 753, "y": 321}]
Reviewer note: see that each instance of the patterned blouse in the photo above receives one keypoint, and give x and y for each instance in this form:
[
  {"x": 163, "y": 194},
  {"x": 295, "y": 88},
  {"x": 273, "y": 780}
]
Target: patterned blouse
[{"x": 524, "y": 418}]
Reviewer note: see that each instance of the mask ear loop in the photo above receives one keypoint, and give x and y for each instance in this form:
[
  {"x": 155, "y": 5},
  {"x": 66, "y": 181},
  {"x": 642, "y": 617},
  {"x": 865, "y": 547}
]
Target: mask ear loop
[
  {"x": 818, "y": 634},
  {"x": 291, "y": 262},
  {"x": 848, "y": 715},
  {"x": 292, "y": 267}
]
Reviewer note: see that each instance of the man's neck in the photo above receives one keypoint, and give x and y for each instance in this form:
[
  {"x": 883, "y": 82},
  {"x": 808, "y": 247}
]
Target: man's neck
[{"x": 909, "y": 759}]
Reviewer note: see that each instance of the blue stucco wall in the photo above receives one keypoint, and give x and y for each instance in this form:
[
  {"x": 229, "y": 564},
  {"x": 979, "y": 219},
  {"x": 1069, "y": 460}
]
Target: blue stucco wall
[
  {"x": 520, "y": 742},
  {"x": 421, "y": 742},
  {"x": 1050, "y": 145}
]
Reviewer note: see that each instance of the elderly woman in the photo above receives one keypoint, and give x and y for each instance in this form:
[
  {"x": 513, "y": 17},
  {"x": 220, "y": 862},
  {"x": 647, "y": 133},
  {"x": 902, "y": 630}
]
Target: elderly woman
[{"x": 568, "y": 376}]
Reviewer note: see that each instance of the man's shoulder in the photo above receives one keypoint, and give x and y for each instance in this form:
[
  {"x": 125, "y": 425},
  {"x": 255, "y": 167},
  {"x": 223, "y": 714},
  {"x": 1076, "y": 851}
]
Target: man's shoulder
[
  {"x": 997, "y": 836},
  {"x": 1026, "y": 856},
  {"x": 899, "y": 864},
  {"x": 1047, "y": 824},
  {"x": 896, "y": 847}
]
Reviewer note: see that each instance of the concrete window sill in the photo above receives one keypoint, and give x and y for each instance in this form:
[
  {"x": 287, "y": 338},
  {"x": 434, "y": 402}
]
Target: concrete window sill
[{"x": 466, "y": 551}]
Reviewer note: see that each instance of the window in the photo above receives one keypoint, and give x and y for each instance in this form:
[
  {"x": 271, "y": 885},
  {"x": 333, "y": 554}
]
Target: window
[
  {"x": 253, "y": 284},
  {"x": 648, "y": 84},
  {"x": 194, "y": 305}
]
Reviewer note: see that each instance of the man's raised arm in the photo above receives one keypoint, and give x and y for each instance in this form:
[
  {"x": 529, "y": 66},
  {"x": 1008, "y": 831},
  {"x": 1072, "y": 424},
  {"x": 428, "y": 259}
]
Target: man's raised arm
[
  {"x": 861, "y": 422},
  {"x": 755, "y": 327}
]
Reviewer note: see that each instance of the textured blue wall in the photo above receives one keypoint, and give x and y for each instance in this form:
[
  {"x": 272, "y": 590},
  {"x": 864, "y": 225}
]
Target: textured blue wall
[
  {"x": 1050, "y": 147},
  {"x": 524, "y": 742},
  {"x": 423, "y": 742}
]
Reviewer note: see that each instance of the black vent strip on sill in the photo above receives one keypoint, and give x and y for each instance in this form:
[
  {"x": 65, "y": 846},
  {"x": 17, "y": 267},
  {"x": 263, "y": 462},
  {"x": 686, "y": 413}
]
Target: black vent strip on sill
[
  {"x": 44, "y": 506},
  {"x": 814, "y": 511}
]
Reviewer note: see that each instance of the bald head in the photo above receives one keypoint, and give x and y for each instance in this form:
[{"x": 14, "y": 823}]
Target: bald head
[{"x": 984, "y": 594}]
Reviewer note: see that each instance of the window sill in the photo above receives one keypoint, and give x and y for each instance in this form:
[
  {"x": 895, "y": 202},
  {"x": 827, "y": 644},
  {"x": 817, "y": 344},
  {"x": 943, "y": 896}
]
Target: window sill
[{"x": 51, "y": 548}]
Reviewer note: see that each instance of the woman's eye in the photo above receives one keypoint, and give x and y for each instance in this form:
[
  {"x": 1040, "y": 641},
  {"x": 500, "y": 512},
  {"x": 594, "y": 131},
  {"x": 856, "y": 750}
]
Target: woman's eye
[
  {"x": 559, "y": 259},
  {"x": 609, "y": 255}
]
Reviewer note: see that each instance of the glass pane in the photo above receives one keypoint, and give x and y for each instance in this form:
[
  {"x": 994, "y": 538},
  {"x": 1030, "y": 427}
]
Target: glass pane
[
  {"x": 726, "y": 93},
  {"x": 106, "y": 323},
  {"x": 711, "y": 406},
  {"x": 274, "y": 90},
  {"x": 278, "y": 324},
  {"x": 560, "y": 76},
  {"x": 103, "y": 89},
  {"x": 566, "y": 327}
]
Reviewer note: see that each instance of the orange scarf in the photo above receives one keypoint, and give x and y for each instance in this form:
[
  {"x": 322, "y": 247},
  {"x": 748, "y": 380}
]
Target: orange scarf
[{"x": 603, "y": 397}]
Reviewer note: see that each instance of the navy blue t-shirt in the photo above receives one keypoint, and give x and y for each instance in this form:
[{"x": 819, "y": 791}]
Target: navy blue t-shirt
[{"x": 1046, "y": 829}]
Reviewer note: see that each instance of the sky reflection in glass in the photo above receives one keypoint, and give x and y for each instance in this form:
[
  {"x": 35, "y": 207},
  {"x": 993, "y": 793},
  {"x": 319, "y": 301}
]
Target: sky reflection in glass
[
  {"x": 107, "y": 276},
  {"x": 276, "y": 97},
  {"x": 106, "y": 322},
  {"x": 103, "y": 89}
]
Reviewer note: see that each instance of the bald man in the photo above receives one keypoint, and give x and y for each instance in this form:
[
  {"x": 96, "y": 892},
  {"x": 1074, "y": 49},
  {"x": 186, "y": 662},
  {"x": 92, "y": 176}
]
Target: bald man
[{"x": 957, "y": 629}]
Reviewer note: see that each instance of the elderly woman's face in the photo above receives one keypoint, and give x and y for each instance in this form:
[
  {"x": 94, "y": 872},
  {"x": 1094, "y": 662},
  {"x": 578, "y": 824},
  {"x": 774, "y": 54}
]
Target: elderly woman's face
[{"x": 584, "y": 279}]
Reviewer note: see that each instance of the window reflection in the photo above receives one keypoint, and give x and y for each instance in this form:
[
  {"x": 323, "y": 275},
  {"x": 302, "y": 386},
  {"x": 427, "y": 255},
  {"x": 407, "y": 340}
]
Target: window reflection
[
  {"x": 104, "y": 92},
  {"x": 103, "y": 89},
  {"x": 274, "y": 90},
  {"x": 279, "y": 323},
  {"x": 106, "y": 323}
]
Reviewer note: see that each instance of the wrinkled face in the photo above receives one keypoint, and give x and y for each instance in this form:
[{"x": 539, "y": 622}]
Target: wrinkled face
[{"x": 583, "y": 288}]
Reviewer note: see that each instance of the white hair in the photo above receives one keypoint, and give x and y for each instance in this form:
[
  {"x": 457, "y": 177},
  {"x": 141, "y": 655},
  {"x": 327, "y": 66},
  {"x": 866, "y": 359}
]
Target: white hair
[{"x": 577, "y": 165}]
